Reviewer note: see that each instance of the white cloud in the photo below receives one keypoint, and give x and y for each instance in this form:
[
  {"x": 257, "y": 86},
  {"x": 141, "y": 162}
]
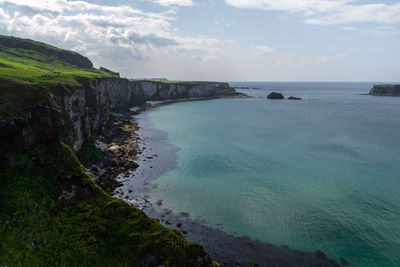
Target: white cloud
[
  {"x": 325, "y": 59},
  {"x": 108, "y": 35},
  {"x": 347, "y": 28},
  {"x": 328, "y": 12},
  {"x": 262, "y": 50},
  {"x": 382, "y": 31},
  {"x": 174, "y": 2}
]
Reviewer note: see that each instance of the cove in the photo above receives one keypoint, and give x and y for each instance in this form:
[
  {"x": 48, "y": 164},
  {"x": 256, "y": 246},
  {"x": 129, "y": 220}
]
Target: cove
[{"x": 321, "y": 173}]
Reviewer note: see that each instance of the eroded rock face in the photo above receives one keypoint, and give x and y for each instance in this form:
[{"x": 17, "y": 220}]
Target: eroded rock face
[
  {"x": 385, "y": 90},
  {"x": 275, "y": 95},
  {"x": 76, "y": 113}
]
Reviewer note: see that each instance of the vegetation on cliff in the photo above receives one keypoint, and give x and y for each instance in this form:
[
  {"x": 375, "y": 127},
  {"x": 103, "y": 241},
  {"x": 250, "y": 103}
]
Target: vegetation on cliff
[
  {"x": 52, "y": 212},
  {"x": 36, "y": 62}
]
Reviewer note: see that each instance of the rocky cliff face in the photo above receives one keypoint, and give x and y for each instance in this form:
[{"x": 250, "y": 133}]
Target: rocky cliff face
[
  {"x": 85, "y": 110},
  {"x": 385, "y": 90}
]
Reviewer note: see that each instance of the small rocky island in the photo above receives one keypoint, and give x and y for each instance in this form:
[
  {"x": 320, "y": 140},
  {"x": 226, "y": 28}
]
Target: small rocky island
[
  {"x": 275, "y": 95},
  {"x": 385, "y": 90}
]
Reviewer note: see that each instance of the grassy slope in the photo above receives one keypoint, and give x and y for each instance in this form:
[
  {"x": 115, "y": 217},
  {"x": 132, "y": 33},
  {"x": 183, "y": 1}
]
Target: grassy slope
[
  {"x": 33, "y": 66},
  {"x": 38, "y": 228},
  {"x": 41, "y": 228}
]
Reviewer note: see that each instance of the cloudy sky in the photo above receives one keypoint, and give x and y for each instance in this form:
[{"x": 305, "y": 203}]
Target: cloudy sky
[{"x": 222, "y": 40}]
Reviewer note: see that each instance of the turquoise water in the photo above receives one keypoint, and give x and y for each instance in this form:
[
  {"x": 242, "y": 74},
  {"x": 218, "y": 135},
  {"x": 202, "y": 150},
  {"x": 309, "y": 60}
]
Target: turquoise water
[{"x": 321, "y": 173}]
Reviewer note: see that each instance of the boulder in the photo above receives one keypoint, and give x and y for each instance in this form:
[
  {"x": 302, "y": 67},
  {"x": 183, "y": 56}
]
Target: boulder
[{"x": 275, "y": 95}]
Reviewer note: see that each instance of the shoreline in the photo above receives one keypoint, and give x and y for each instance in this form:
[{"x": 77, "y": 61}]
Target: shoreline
[{"x": 132, "y": 182}]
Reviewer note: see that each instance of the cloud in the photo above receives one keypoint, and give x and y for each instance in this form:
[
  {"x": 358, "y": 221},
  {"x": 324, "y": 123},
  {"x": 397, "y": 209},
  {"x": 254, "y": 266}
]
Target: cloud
[
  {"x": 328, "y": 12},
  {"x": 382, "y": 31},
  {"x": 106, "y": 34},
  {"x": 262, "y": 50},
  {"x": 347, "y": 28},
  {"x": 325, "y": 59},
  {"x": 174, "y": 2}
]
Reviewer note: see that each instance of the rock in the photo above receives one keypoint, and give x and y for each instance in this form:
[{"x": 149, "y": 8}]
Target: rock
[
  {"x": 179, "y": 225},
  {"x": 344, "y": 262},
  {"x": 294, "y": 98},
  {"x": 95, "y": 170},
  {"x": 275, "y": 95},
  {"x": 385, "y": 90},
  {"x": 320, "y": 255}
]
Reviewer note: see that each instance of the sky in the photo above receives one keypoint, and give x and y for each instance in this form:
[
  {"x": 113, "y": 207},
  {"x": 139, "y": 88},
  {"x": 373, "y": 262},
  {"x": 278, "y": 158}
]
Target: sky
[{"x": 220, "y": 40}]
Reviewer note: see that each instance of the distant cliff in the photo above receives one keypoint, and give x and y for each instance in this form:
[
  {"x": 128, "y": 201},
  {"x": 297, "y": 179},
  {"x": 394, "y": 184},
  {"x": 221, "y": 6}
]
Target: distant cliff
[{"x": 385, "y": 90}]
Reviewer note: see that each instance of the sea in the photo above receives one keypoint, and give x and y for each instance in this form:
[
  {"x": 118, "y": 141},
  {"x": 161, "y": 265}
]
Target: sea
[{"x": 321, "y": 173}]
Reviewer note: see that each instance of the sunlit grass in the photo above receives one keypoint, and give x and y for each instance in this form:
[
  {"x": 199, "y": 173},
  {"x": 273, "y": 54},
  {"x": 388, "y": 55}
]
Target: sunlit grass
[{"x": 29, "y": 65}]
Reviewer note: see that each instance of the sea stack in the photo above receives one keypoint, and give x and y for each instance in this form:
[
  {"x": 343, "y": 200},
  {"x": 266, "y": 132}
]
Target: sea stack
[{"x": 275, "y": 95}]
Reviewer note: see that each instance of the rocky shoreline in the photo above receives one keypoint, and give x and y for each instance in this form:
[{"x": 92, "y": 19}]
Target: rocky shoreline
[
  {"x": 121, "y": 146},
  {"x": 124, "y": 148}
]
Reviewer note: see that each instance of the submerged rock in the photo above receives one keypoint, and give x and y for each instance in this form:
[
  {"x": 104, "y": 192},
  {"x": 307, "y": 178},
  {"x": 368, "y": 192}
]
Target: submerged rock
[
  {"x": 344, "y": 262},
  {"x": 294, "y": 98},
  {"x": 275, "y": 95}
]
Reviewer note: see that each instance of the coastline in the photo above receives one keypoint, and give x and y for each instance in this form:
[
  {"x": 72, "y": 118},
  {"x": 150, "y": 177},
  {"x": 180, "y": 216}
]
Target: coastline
[{"x": 131, "y": 180}]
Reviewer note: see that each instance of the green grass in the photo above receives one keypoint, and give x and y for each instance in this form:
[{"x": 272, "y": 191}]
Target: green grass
[
  {"x": 89, "y": 153},
  {"x": 37, "y": 67},
  {"x": 42, "y": 228},
  {"x": 17, "y": 96}
]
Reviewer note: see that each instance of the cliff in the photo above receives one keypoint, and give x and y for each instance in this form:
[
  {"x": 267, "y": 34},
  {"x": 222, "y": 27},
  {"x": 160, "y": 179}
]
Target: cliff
[
  {"x": 52, "y": 213},
  {"x": 83, "y": 110},
  {"x": 385, "y": 90}
]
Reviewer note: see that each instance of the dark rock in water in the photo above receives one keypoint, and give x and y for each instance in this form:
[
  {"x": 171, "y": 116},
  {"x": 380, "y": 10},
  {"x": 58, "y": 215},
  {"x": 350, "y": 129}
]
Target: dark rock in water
[
  {"x": 320, "y": 255},
  {"x": 344, "y": 262},
  {"x": 294, "y": 98},
  {"x": 385, "y": 90},
  {"x": 275, "y": 95}
]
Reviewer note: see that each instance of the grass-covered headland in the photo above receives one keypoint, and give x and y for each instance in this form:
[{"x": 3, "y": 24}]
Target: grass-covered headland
[{"x": 51, "y": 212}]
